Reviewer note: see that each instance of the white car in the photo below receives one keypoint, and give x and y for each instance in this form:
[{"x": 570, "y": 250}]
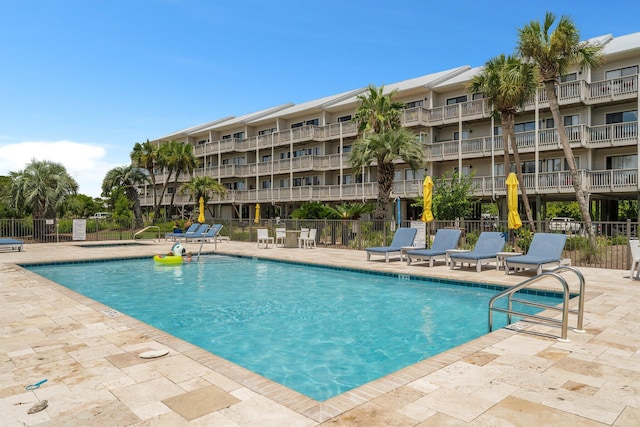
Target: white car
[
  {"x": 564, "y": 224},
  {"x": 100, "y": 215}
]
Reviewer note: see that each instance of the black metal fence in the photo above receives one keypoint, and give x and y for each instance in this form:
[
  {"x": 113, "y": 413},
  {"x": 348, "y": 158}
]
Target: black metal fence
[{"x": 609, "y": 249}]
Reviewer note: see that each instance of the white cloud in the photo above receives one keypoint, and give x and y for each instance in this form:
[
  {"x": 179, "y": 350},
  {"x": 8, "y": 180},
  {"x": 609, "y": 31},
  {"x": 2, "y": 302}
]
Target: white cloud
[{"x": 86, "y": 163}]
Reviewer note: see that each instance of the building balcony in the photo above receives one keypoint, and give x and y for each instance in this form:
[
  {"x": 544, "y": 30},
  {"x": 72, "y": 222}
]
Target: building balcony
[
  {"x": 616, "y": 181},
  {"x": 613, "y": 135}
]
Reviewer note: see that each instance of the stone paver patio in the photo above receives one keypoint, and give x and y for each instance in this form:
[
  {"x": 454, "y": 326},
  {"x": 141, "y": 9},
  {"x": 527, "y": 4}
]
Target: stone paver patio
[{"x": 89, "y": 355}]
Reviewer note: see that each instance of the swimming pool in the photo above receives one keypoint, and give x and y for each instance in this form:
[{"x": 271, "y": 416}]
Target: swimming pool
[{"x": 319, "y": 331}]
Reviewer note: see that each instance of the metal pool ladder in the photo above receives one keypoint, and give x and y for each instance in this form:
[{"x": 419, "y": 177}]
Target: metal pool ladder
[{"x": 563, "y": 323}]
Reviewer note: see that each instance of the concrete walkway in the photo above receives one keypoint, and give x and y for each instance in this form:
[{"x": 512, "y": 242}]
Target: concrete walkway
[{"x": 89, "y": 355}]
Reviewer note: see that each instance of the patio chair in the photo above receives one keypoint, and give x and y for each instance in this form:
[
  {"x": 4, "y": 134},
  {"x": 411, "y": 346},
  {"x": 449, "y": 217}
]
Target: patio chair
[
  {"x": 304, "y": 233},
  {"x": 176, "y": 235},
  {"x": 486, "y": 250},
  {"x": 198, "y": 233},
  {"x": 310, "y": 240},
  {"x": 444, "y": 240},
  {"x": 12, "y": 244},
  {"x": 401, "y": 239},
  {"x": 634, "y": 247},
  {"x": 263, "y": 237},
  {"x": 210, "y": 235},
  {"x": 281, "y": 236},
  {"x": 545, "y": 250}
]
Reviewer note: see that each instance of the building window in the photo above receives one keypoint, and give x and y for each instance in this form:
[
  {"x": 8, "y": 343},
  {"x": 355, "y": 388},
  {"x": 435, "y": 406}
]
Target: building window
[
  {"x": 238, "y": 135},
  {"x": 623, "y": 162},
  {"x": 345, "y": 149},
  {"x": 203, "y": 141},
  {"x": 226, "y": 137},
  {"x": 410, "y": 174},
  {"x": 529, "y": 166},
  {"x": 465, "y": 135},
  {"x": 524, "y": 127},
  {"x": 266, "y": 184},
  {"x": 313, "y": 122},
  {"x": 297, "y": 125},
  {"x": 466, "y": 170},
  {"x": 571, "y": 77},
  {"x": 477, "y": 96},
  {"x": 621, "y": 72},
  {"x": 572, "y": 120},
  {"x": 297, "y": 182},
  {"x": 560, "y": 164},
  {"x": 234, "y": 161},
  {"x": 347, "y": 179},
  {"x": 457, "y": 100},
  {"x": 266, "y": 131},
  {"x": 266, "y": 158},
  {"x": 414, "y": 104},
  {"x": 344, "y": 118},
  {"x": 285, "y": 155},
  {"x": 622, "y": 117},
  {"x": 284, "y": 183},
  {"x": 360, "y": 176}
]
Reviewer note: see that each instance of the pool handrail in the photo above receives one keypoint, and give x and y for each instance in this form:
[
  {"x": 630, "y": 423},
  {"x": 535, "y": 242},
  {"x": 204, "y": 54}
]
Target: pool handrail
[{"x": 565, "y": 302}]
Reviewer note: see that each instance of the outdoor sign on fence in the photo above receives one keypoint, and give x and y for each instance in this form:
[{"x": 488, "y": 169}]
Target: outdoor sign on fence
[
  {"x": 420, "y": 240},
  {"x": 79, "y": 229}
]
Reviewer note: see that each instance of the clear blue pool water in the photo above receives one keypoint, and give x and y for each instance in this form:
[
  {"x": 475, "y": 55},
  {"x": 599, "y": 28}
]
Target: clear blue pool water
[{"x": 319, "y": 331}]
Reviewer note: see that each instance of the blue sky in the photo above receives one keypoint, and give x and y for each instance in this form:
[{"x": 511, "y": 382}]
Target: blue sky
[{"x": 81, "y": 81}]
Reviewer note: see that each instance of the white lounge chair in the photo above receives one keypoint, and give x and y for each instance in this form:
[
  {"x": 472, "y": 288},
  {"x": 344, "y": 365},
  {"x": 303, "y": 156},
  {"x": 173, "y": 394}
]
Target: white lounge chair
[
  {"x": 304, "y": 234},
  {"x": 634, "y": 246},
  {"x": 281, "y": 236},
  {"x": 310, "y": 240},
  {"x": 263, "y": 237}
]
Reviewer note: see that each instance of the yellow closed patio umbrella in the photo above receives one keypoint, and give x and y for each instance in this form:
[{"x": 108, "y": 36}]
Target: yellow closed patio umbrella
[
  {"x": 427, "y": 195},
  {"x": 257, "y": 218},
  {"x": 201, "y": 214},
  {"x": 513, "y": 218}
]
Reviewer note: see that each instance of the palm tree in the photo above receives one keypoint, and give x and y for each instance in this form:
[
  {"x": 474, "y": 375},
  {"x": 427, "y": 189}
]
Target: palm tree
[
  {"x": 147, "y": 156},
  {"x": 181, "y": 160},
  {"x": 377, "y": 112},
  {"x": 508, "y": 83},
  {"x": 382, "y": 140},
  {"x": 126, "y": 178},
  {"x": 203, "y": 186},
  {"x": 384, "y": 149},
  {"x": 349, "y": 210},
  {"x": 552, "y": 53},
  {"x": 42, "y": 189}
]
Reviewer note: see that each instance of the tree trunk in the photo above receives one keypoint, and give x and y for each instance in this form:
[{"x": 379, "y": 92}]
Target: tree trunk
[
  {"x": 549, "y": 86},
  {"x": 156, "y": 212},
  {"x": 508, "y": 125},
  {"x": 385, "y": 183}
]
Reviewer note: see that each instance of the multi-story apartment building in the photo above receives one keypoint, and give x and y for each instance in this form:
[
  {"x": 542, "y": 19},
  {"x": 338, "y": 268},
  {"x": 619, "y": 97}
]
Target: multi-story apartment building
[{"x": 290, "y": 154}]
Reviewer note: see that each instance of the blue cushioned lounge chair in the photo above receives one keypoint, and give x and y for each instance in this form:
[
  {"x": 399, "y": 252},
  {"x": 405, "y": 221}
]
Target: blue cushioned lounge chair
[
  {"x": 486, "y": 250},
  {"x": 176, "y": 235},
  {"x": 445, "y": 239},
  {"x": 197, "y": 234},
  {"x": 545, "y": 250},
  {"x": 402, "y": 239},
  {"x": 13, "y": 244}
]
